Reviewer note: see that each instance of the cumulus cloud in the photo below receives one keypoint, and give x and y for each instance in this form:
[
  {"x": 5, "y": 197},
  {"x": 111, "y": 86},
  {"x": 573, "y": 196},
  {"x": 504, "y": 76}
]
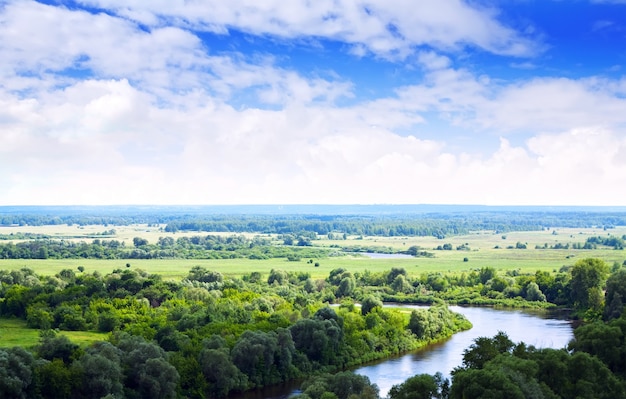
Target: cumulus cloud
[{"x": 96, "y": 108}]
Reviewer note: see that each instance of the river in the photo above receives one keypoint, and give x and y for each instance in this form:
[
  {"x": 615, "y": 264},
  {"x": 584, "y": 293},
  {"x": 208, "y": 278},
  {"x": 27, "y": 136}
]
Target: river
[{"x": 538, "y": 328}]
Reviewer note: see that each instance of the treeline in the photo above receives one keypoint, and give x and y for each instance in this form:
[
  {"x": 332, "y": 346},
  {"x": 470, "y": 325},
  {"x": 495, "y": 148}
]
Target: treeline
[
  {"x": 388, "y": 221},
  {"x": 591, "y": 243},
  {"x": 206, "y": 336},
  {"x": 196, "y": 247},
  {"x": 320, "y": 225}
]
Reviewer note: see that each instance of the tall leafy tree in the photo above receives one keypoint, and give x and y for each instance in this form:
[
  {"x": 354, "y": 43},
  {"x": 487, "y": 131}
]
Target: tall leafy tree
[
  {"x": 588, "y": 278},
  {"x": 615, "y": 294},
  {"x": 16, "y": 373}
]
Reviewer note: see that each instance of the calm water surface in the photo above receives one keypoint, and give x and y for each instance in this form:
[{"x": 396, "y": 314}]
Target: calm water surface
[{"x": 541, "y": 329}]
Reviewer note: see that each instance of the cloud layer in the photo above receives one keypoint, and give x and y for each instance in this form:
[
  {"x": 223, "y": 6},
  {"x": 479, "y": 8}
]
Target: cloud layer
[{"x": 125, "y": 102}]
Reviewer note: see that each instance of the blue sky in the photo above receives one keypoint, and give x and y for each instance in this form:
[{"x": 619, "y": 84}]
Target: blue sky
[{"x": 516, "y": 102}]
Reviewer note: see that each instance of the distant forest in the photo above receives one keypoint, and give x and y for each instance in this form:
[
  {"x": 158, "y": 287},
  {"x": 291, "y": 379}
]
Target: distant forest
[{"x": 374, "y": 220}]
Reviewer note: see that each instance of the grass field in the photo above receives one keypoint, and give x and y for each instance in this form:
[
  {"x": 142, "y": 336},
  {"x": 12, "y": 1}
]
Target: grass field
[
  {"x": 485, "y": 249},
  {"x": 481, "y": 253},
  {"x": 14, "y": 332}
]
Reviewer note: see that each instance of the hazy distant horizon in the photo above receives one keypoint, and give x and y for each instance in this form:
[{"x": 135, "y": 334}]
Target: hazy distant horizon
[{"x": 322, "y": 209}]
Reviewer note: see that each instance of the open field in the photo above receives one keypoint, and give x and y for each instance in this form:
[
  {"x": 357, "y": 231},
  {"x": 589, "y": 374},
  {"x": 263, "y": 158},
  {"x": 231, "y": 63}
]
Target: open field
[
  {"x": 14, "y": 332},
  {"x": 445, "y": 261},
  {"x": 91, "y": 232},
  {"x": 482, "y": 253}
]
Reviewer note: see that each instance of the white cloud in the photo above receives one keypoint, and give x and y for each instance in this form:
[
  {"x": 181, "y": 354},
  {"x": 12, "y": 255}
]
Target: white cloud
[
  {"x": 525, "y": 106},
  {"x": 158, "y": 118},
  {"x": 54, "y": 43},
  {"x": 103, "y": 141},
  {"x": 389, "y": 28}
]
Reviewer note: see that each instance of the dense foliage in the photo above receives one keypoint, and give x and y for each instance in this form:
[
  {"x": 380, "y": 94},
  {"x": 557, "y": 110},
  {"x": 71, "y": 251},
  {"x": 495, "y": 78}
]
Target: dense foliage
[
  {"x": 206, "y": 336},
  {"x": 209, "y": 335}
]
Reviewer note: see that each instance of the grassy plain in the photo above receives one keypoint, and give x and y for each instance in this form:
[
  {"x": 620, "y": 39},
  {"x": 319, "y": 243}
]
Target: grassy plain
[
  {"x": 482, "y": 252},
  {"x": 14, "y": 332}
]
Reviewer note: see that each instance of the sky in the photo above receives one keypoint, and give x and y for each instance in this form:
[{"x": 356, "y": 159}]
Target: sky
[{"x": 184, "y": 102}]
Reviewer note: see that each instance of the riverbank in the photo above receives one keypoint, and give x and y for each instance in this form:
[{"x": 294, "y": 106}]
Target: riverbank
[{"x": 545, "y": 329}]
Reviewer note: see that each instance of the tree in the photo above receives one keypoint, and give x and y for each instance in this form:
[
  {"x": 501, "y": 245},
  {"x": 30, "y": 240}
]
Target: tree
[
  {"x": 336, "y": 275},
  {"x": 199, "y": 273},
  {"x": 57, "y": 347},
  {"x": 533, "y": 293},
  {"x": 342, "y": 385},
  {"x": 346, "y": 287},
  {"x": 260, "y": 356},
  {"x": 319, "y": 339},
  {"x": 220, "y": 372},
  {"x": 55, "y": 380},
  {"x": 484, "y": 383},
  {"x": 16, "y": 373},
  {"x": 615, "y": 294},
  {"x": 100, "y": 370},
  {"x": 588, "y": 278},
  {"x": 485, "y": 349},
  {"x": 369, "y": 303},
  {"x": 278, "y": 277},
  {"x": 418, "y": 323},
  {"x": 146, "y": 370},
  {"x": 421, "y": 386},
  {"x": 394, "y": 273},
  {"x": 401, "y": 285},
  {"x": 606, "y": 341},
  {"x": 139, "y": 242},
  {"x": 486, "y": 273}
]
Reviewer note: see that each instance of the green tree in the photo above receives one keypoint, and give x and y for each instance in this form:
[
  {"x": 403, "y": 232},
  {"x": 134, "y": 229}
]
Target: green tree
[
  {"x": 57, "y": 347},
  {"x": 421, "y": 386},
  {"x": 588, "y": 278},
  {"x": 615, "y": 294},
  {"x": 56, "y": 380},
  {"x": 346, "y": 287},
  {"x": 369, "y": 303},
  {"x": 258, "y": 355},
  {"x": 100, "y": 371},
  {"x": 486, "y": 273},
  {"x": 400, "y": 284},
  {"x": 16, "y": 373},
  {"x": 394, "y": 273},
  {"x": 418, "y": 323},
  {"x": 318, "y": 339},
  {"x": 485, "y": 349},
  {"x": 139, "y": 242},
  {"x": 146, "y": 370},
  {"x": 606, "y": 341},
  {"x": 199, "y": 273},
  {"x": 38, "y": 316},
  {"x": 336, "y": 275},
  {"x": 533, "y": 293},
  {"x": 342, "y": 385},
  {"x": 220, "y": 372}
]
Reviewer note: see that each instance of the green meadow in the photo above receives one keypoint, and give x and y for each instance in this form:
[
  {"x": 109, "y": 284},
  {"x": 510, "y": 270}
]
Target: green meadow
[
  {"x": 14, "y": 332},
  {"x": 484, "y": 249}
]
